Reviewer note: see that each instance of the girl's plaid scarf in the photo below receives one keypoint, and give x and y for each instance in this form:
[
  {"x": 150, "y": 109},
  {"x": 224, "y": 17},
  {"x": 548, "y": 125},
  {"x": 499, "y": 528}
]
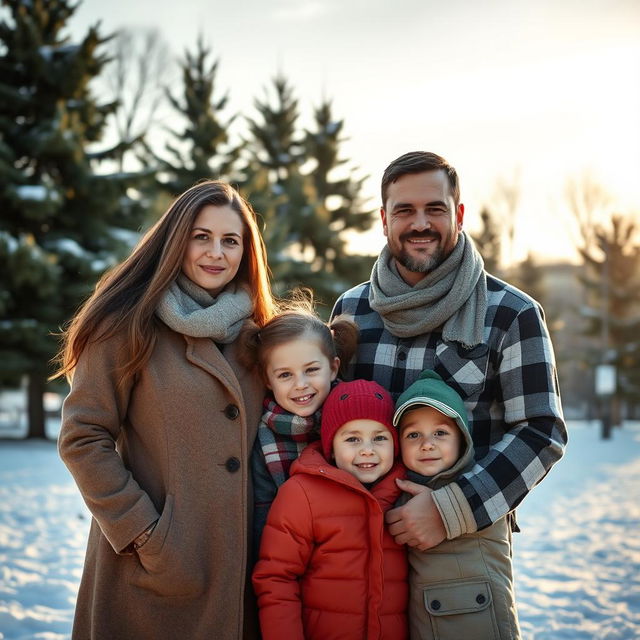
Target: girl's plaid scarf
[{"x": 283, "y": 436}]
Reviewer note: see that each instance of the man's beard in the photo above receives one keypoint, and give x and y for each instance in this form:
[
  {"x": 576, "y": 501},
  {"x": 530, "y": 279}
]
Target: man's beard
[{"x": 416, "y": 264}]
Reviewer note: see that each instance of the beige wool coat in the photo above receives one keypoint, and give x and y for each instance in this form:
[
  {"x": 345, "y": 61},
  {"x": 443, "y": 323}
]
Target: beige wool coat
[{"x": 172, "y": 446}]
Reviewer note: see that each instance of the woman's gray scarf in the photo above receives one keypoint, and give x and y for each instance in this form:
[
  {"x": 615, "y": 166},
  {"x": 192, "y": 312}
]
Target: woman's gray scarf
[
  {"x": 188, "y": 309},
  {"x": 452, "y": 296}
]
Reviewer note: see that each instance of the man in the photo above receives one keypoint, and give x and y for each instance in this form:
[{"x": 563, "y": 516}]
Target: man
[{"x": 430, "y": 305}]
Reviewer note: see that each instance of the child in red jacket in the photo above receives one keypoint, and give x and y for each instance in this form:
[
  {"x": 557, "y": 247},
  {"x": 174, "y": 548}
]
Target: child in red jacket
[{"x": 328, "y": 568}]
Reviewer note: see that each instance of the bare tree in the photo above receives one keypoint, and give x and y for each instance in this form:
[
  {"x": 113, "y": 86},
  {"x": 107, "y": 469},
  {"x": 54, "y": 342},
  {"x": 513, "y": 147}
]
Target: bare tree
[
  {"x": 489, "y": 241},
  {"x": 589, "y": 203},
  {"x": 505, "y": 202},
  {"x": 529, "y": 277},
  {"x": 610, "y": 276},
  {"x": 136, "y": 78}
]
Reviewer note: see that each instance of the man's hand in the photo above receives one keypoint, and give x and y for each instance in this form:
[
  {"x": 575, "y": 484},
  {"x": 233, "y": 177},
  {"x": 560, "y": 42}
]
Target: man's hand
[{"x": 417, "y": 523}]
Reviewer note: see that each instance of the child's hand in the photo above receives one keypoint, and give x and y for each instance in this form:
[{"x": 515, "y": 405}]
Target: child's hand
[{"x": 418, "y": 522}]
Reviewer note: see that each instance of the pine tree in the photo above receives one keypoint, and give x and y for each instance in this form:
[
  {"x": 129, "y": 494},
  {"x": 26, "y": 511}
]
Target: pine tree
[
  {"x": 340, "y": 197},
  {"x": 273, "y": 182},
  {"x": 62, "y": 224},
  {"x": 202, "y": 149},
  {"x": 611, "y": 278},
  {"x": 292, "y": 180}
]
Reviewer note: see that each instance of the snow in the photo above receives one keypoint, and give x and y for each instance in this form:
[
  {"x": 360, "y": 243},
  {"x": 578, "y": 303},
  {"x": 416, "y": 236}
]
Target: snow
[
  {"x": 576, "y": 560},
  {"x": 67, "y": 245},
  {"x": 102, "y": 264},
  {"x": 43, "y": 527},
  {"x": 126, "y": 236},
  {"x": 332, "y": 127},
  {"x": 71, "y": 247},
  {"x": 9, "y": 241},
  {"x": 46, "y": 51},
  {"x": 28, "y": 323},
  {"x": 32, "y": 192}
]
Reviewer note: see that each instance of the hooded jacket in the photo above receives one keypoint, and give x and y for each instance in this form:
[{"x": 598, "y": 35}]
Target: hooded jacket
[
  {"x": 328, "y": 567},
  {"x": 462, "y": 588}
]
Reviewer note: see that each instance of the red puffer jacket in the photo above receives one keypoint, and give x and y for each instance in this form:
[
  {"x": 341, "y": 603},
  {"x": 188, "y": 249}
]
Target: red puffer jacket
[{"x": 328, "y": 567}]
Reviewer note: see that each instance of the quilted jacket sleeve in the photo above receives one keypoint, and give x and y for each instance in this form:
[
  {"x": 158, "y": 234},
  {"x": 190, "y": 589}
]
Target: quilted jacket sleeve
[{"x": 287, "y": 544}]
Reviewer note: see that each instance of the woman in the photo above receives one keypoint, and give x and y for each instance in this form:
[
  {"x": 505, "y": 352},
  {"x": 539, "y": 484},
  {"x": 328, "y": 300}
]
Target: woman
[{"x": 159, "y": 423}]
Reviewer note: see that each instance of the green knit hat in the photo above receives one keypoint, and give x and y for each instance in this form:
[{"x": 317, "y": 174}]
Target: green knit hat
[{"x": 431, "y": 390}]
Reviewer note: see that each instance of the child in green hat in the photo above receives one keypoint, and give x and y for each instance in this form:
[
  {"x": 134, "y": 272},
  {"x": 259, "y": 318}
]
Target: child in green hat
[{"x": 463, "y": 587}]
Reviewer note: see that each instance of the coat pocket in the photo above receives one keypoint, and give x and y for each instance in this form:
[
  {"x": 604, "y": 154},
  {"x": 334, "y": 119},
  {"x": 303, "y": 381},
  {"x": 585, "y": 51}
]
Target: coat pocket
[
  {"x": 461, "y": 609},
  {"x": 463, "y": 369},
  {"x": 162, "y": 568}
]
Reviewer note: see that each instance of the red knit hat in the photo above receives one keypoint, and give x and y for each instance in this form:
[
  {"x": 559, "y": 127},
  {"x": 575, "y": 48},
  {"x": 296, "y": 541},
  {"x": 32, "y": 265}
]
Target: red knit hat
[{"x": 360, "y": 399}]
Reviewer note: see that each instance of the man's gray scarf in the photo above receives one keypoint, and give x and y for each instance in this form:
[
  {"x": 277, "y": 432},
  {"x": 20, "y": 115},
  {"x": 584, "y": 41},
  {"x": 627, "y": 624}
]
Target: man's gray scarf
[
  {"x": 188, "y": 309},
  {"x": 452, "y": 296}
]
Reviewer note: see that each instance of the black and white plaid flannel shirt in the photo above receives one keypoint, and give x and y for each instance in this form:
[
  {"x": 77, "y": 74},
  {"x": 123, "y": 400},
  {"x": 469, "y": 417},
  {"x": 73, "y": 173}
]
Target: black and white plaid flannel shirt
[{"x": 508, "y": 383}]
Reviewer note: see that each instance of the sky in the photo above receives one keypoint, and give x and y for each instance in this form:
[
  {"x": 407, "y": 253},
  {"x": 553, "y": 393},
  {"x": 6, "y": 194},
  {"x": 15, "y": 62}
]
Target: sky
[{"x": 523, "y": 92}]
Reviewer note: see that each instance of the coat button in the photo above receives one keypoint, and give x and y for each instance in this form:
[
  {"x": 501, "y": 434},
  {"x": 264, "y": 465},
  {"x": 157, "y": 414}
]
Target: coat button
[
  {"x": 231, "y": 411},
  {"x": 402, "y": 356},
  {"x": 481, "y": 598},
  {"x": 435, "y": 604},
  {"x": 232, "y": 464}
]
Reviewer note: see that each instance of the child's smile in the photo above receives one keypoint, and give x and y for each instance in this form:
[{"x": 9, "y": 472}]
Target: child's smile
[
  {"x": 429, "y": 441},
  {"x": 364, "y": 448},
  {"x": 300, "y": 375}
]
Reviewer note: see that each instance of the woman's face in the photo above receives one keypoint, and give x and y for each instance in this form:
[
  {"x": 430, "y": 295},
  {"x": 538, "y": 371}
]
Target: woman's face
[{"x": 215, "y": 248}]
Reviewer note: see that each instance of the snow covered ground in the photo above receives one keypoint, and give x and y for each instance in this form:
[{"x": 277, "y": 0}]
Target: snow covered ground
[{"x": 577, "y": 558}]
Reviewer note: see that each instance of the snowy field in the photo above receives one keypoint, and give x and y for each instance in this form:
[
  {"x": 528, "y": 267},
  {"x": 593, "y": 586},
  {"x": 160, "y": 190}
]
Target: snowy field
[{"x": 577, "y": 558}]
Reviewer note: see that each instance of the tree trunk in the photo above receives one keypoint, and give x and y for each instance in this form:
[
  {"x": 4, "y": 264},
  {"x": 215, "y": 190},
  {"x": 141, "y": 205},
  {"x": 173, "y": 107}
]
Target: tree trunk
[
  {"x": 605, "y": 418},
  {"x": 616, "y": 411},
  {"x": 35, "y": 405}
]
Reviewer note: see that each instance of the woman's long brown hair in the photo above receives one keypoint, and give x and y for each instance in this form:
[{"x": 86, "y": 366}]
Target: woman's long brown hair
[{"x": 126, "y": 298}]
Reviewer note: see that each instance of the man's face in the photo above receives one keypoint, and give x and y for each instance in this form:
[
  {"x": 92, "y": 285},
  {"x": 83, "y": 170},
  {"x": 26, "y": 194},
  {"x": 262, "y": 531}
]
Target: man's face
[{"x": 421, "y": 222}]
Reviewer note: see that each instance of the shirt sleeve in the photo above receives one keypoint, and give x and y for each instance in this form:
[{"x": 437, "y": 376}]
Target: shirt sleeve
[{"x": 534, "y": 432}]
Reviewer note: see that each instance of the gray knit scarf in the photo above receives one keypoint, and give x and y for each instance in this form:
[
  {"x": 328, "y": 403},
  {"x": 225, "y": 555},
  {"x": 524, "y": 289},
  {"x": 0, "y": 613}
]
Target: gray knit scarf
[
  {"x": 452, "y": 296},
  {"x": 188, "y": 309}
]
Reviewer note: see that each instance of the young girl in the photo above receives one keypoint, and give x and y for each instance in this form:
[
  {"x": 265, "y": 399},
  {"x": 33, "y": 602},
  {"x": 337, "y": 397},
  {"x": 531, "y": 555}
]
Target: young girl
[
  {"x": 328, "y": 567},
  {"x": 298, "y": 356}
]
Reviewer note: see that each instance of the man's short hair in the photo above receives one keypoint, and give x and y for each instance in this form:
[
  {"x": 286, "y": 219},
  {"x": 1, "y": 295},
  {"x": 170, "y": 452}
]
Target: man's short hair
[{"x": 419, "y": 162}]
